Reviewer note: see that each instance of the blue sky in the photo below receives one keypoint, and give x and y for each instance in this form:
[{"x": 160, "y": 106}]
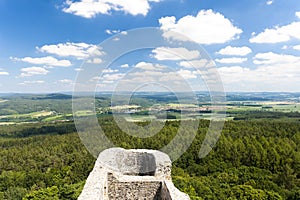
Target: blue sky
[{"x": 255, "y": 44}]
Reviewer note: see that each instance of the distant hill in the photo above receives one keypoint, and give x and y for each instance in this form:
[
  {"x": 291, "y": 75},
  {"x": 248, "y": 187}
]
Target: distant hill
[
  {"x": 36, "y": 96},
  {"x": 53, "y": 96}
]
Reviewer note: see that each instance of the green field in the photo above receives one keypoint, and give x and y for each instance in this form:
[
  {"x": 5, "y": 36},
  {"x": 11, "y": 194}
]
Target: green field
[
  {"x": 287, "y": 108},
  {"x": 30, "y": 116}
]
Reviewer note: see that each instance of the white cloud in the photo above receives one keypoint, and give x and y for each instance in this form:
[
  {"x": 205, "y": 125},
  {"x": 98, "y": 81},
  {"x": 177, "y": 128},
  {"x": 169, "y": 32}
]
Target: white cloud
[
  {"x": 110, "y": 32},
  {"x": 198, "y": 64},
  {"x": 124, "y": 66},
  {"x": 231, "y": 60},
  {"x": 87, "y": 8},
  {"x": 124, "y": 32},
  {"x": 49, "y": 61},
  {"x": 78, "y": 69},
  {"x": 150, "y": 66},
  {"x": 187, "y": 74},
  {"x": 273, "y": 72},
  {"x": 109, "y": 70},
  {"x": 2, "y": 72},
  {"x": 32, "y": 82},
  {"x": 208, "y": 27},
  {"x": 298, "y": 14},
  {"x": 278, "y": 34},
  {"x": 273, "y": 58},
  {"x": 233, "y": 69},
  {"x": 269, "y": 2},
  {"x": 297, "y": 47},
  {"x": 78, "y": 50},
  {"x": 31, "y": 71},
  {"x": 157, "y": 72},
  {"x": 167, "y": 53},
  {"x": 110, "y": 78},
  {"x": 66, "y": 81},
  {"x": 143, "y": 74},
  {"x": 90, "y": 8},
  {"x": 94, "y": 60},
  {"x": 235, "y": 51}
]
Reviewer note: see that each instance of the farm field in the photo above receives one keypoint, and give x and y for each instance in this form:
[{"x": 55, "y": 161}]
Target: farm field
[{"x": 30, "y": 109}]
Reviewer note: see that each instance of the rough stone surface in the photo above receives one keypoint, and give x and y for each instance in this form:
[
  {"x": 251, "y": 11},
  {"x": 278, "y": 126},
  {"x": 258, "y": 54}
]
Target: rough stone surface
[
  {"x": 136, "y": 174},
  {"x": 147, "y": 190}
]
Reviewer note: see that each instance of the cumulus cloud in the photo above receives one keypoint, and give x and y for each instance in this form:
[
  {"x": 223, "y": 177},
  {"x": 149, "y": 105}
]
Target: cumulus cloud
[
  {"x": 31, "y": 71},
  {"x": 86, "y": 8},
  {"x": 167, "y": 53},
  {"x": 166, "y": 78},
  {"x": 110, "y": 78},
  {"x": 207, "y": 27},
  {"x": 273, "y": 72},
  {"x": 2, "y": 72},
  {"x": 278, "y": 34},
  {"x": 144, "y": 74},
  {"x": 90, "y": 8},
  {"x": 32, "y": 82},
  {"x": 231, "y": 60},
  {"x": 48, "y": 60},
  {"x": 198, "y": 64},
  {"x": 187, "y": 74},
  {"x": 233, "y": 69},
  {"x": 270, "y": 58},
  {"x": 78, "y": 50},
  {"x": 94, "y": 60},
  {"x": 65, "y": 81},
  {"x": 235, "y": 51},
  {"x": 78, "y": 69},
  {"x": 297, "y": 47},
  {"x": 269, "y": 2},
  {"x": 109, "y": 70},
  {"x": 124, "y": 66},
  {"x": 298, "y": 14},
  {"x": 150, "y": 66},
  {"x": 158, "y": 72},
  {"x": 110, "y": 32},
  {"x": 124, "y": 32}
]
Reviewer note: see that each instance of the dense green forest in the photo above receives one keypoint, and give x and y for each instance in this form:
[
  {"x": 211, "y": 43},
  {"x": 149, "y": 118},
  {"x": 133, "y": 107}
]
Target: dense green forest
[{"x": 252, "y": 160}]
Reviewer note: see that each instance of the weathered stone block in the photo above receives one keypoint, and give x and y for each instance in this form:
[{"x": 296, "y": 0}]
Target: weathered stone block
[{"x": 136, "y": 174}]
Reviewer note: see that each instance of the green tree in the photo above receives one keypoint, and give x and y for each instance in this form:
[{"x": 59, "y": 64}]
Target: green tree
[{"x": 50, "y": 193}]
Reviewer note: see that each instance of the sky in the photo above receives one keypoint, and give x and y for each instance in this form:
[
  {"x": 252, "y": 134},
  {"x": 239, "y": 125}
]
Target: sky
[{"x": 254, "y": 44}]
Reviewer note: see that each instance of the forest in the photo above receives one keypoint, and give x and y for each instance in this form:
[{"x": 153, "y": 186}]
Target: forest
[{"x": 253, "y": 159}]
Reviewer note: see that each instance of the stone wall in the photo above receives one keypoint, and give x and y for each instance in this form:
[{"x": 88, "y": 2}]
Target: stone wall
[
  {"x": 136, "y": 174},
  {"x": 145, "y": 190},
  {"x": 165, "y": 193}
]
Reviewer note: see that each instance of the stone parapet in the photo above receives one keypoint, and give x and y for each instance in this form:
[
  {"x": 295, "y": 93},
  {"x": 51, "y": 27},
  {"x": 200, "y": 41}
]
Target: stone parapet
[{"x": 137, "y": 174}]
